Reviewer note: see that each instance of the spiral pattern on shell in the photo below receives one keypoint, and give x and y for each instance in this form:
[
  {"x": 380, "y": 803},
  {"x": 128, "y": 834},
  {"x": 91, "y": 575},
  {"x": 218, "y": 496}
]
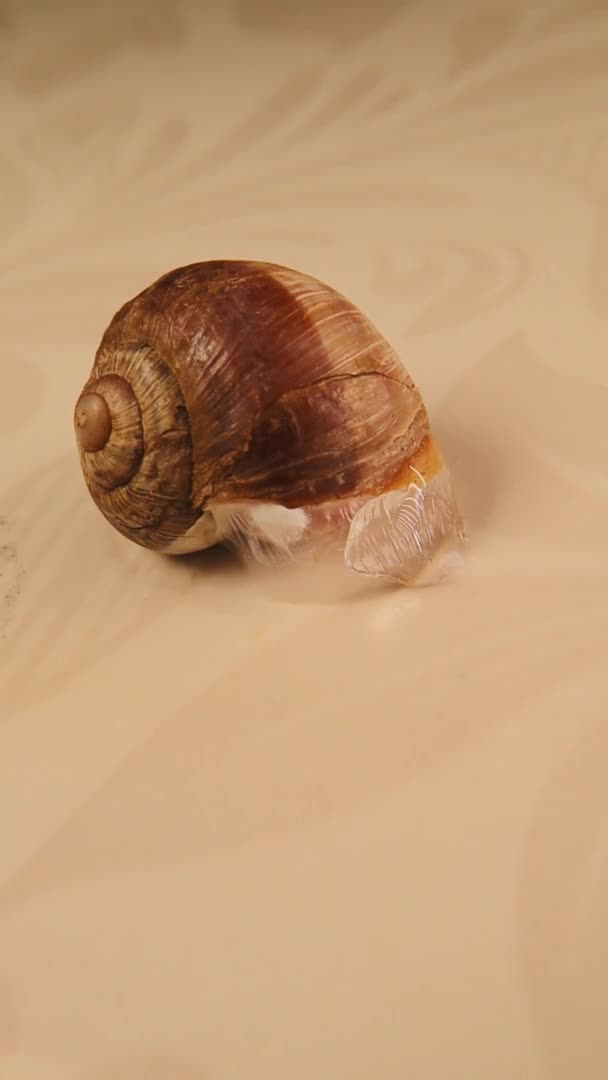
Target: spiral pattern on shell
[{"x": 141, "y": 475}]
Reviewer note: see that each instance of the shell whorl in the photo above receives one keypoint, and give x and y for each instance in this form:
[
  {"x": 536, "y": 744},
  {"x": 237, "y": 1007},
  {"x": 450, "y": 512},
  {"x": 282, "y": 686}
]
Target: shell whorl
[{"x": 135, "y": 447}]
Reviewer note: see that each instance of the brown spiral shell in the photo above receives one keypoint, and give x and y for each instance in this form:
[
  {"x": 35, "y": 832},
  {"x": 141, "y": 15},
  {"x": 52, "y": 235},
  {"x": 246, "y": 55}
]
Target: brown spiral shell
[{"x": 240, "y": 381}]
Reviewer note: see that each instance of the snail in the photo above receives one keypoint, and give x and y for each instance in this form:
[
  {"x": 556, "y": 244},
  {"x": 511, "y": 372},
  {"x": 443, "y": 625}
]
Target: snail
[{"x": 249, "y": 404}]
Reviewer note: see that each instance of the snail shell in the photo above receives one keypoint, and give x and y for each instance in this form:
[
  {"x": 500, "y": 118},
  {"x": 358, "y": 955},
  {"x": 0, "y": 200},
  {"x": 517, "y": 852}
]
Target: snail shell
[{"x": 242, "y": 401}]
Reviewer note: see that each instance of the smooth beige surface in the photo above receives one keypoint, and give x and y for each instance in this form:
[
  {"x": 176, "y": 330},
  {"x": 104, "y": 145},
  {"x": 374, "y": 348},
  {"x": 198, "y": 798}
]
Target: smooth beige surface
[{"x": 288, "y": 828}]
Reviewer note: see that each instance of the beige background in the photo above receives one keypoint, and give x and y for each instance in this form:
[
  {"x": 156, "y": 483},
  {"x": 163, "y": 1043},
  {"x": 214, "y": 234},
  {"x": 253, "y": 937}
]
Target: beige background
[{"x": 402, "y": 871}]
